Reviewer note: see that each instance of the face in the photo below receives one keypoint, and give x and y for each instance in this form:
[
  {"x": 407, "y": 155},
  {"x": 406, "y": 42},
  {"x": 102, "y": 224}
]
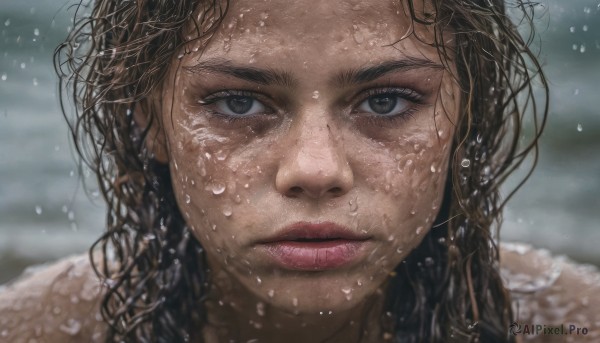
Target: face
[{"x": 309, "y": 145}]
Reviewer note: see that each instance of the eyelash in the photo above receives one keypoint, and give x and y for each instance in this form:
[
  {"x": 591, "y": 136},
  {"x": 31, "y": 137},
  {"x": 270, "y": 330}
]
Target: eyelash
[
  {"x": 410, "y": 95},
  {"x": 223, "y": 95},
  {"x": 404, "y": 93}
]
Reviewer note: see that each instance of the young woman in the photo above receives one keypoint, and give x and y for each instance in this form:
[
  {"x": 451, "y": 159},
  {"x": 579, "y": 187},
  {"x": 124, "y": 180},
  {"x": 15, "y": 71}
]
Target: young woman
[{"x": 307, "y": 171}]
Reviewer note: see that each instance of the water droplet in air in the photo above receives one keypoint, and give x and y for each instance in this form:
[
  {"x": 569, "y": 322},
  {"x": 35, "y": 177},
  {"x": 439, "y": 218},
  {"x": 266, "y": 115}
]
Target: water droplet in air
[
  {"x": 429, "y": 261},
  {"x": 584, "y": 28},
  {"x": 4, "y": 77},
  {"x": 36, "y": 32},
  {"x": 35, "y": 81},
  {"x": 572, "y": 29},
  {"x": 38, "y": 210},
  {"x": 23, "y": 65},
  {"x": 579, "y": 127},
  {"x": 582, "y": 48},
  {"x": 465, "y": 163},
  {"x": 315, "y": 95}
]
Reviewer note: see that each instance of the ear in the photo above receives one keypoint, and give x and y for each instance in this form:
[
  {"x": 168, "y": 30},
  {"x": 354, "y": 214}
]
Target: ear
[{"x": 146, "y": 116}]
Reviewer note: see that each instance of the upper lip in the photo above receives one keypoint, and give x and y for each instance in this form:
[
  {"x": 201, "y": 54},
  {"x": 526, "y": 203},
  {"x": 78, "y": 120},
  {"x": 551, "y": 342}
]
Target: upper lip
[{"x": 315, "y": 231}]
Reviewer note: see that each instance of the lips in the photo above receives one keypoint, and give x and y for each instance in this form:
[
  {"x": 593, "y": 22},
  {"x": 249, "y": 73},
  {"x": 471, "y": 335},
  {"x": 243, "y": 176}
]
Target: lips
[{"x": 320, "y": 246}]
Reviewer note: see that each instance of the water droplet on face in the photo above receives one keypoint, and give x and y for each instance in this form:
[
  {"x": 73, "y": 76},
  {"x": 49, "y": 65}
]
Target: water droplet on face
[
  {"x": 347, "y": 292},
  {"x": 271, "y": 293},
  {"x": 260, "y": 309},
  {"x": 187, "y": 199},
  {"x": 38, "y": 210},
  {"x": 419, "y": 230},
  {"x": 315, "y": 95},
  {"x": 258, "y": 280},
  {"x": 579, "y": 127},
  {"x": 432, "y": 168},
  {"x": 4, "y": 332},
  {"x": 72, "y": 327},
  {"x": 227, "y": 212},
  {"x": 295, "y": 302},
  {"x": 399, "y": 250},
  {"x": 218, "y": 189},
  {"x": 465, "y": 163}
]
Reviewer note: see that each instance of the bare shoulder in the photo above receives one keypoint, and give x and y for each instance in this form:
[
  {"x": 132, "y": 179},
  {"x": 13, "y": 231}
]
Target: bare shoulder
[
  {"x": 58, "y": 302},
  {"x": 555, "y": 299}
]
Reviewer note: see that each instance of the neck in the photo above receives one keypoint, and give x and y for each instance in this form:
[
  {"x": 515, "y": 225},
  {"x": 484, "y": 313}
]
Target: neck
[{"x": 235, "y": 314}]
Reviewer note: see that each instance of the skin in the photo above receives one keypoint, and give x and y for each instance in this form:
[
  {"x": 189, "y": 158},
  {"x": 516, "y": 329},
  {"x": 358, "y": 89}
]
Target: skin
[{"x": 311, "y": 148}]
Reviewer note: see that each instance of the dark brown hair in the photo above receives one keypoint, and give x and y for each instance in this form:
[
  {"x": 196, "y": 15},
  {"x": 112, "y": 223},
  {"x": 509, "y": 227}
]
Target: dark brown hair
[{"x": 448, "y": 290}]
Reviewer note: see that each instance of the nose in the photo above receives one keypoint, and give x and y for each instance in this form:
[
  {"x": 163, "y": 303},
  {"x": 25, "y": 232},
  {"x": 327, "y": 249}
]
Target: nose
[{"x": 315, "y": 165}]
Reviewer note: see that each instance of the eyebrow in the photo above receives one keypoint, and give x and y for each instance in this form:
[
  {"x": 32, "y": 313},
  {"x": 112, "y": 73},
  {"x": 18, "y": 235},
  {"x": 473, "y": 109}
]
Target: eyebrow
[
  {"x": 271, "y": 76},
  {"x": 255, "y": 75},
  {"x": 366, "y": 74}
]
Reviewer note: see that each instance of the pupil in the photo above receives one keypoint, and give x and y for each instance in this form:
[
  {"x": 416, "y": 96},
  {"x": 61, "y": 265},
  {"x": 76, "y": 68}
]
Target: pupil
[
  {"x": 239, "y": 104},
  {"x": 382, "y": 104}
]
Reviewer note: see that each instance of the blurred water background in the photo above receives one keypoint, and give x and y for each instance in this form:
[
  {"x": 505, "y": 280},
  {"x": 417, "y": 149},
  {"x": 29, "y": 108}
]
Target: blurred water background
[{"x": 45, "y": 215}]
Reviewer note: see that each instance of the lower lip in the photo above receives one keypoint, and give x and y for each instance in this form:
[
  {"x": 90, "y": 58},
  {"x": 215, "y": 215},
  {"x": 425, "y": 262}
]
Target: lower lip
[{"x": 314, "y": 256}]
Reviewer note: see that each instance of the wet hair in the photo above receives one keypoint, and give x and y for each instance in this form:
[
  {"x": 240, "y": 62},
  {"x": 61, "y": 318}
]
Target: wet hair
[{"x": 156, "y": 276}]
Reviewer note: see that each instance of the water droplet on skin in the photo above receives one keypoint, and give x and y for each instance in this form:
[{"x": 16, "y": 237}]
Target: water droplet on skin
[
  {"x": 260, "y": 309},
  {"x": 214, "y": 227},
  {"x": 419, "y": 230},
  {"x": 271, "y": 293},
  {"x": 432, "y": 168},
  {"x": 38, "y": 210},
  {"x": 295, "y": 302},
  {"x": 4, "y": 332},
  {"x": 258, "y": 280},
  {"x": 72, "y": 327},
  {"x": 218, "y": 189},
  {"x": 465, "y": 163},
  {"x": 399, "y": 250},
  {"x": 187, "y": 199},
  {"x": 391, "y": 238},
  {"x": 579, "y": 127},
  {"x": 315, "y": 95},
  {"x": 227, "y": 212},
  {"x": 347, "y": 292}
]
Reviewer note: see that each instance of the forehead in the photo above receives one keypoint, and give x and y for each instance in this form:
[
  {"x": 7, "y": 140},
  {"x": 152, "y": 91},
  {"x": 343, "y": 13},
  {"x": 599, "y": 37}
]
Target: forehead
[{"x": 314, "y": 32}]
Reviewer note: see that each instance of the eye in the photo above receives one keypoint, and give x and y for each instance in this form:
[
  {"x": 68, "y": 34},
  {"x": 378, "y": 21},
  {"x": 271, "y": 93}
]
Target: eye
[
  {"x": 389, "y": 102},
  {"x": 238, "y": 105}
]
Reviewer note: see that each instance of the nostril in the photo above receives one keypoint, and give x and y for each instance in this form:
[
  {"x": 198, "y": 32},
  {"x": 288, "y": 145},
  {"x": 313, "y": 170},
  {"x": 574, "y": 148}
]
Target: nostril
[
  {"x": 336, "y": 190},
  {"x": 296, "y": 190}
]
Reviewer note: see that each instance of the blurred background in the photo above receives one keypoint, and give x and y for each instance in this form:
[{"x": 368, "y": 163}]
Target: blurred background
[{"x": 44, "y": 214}]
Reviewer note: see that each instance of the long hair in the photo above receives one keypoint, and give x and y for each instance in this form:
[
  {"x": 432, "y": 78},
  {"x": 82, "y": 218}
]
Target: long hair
[{"x": 156, "y": 278}]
